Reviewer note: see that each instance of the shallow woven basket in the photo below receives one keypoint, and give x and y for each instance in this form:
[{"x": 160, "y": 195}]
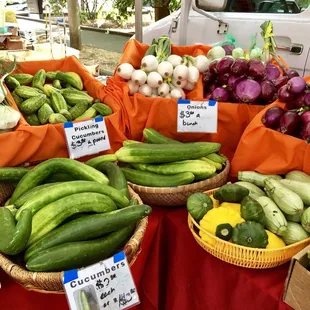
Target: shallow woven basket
[
  {"x": 51, "y": 282},
  {"x": 244, "y": 256},
  {"x": 177, "y": 196}
]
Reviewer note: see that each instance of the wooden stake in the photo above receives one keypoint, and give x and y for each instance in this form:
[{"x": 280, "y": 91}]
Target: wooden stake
[{"x": 74, "y": 24}]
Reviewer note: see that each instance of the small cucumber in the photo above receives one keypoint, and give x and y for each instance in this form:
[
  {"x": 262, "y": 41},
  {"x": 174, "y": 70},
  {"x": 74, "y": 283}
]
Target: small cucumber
[
  {"x": 63, "y": 189},
  {"x": 78, "y": 109},
  {"x": 52, "y": 215},
  {"x": 58, "y": 102},
  {"x": 43, "y": 170},
  {"x": 79, "y": 254},
  {"x": 18, "y": 100},
  {"x": 11, "y": 82},
  {"x": 32, "y": 105},
  {"x": 102, "y": 109},
  {"x": 57, "y": 84},
  {"x": 128, "y": 142},
  {"x": 153, "y": 136},
  {"x": 89, "y": 227},
  {"x": 97, "y": 161},
  {"x": 26, "y": 92},
  {"x": 145, "y": 178},
  {"x": 23, "y": 78},
  {"x": 39, "y": 79},
  {"x": 32, "y": 120},
  {"x": 116, "y": 177},
  {"x": 217, "y": 166},
  {"x": 44, "y": 113},
  {"x": 217, "y": 158},
  {"x": 16, "y": 242},
  {"x": 66, "y": 114},
  {"x": 89, "y": 113},
  {"x": 51, "y": 75},
  {"x": 12, "y": 174},
  {"x": 57, "y": 118}
]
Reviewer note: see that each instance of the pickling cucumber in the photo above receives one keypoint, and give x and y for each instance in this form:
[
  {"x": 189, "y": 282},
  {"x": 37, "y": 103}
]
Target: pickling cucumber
[
  {"x": 64, "y": 189},
  {"x": 95, "y": 162},
  {"x": 89, "y": 227},
  {"x": 79, "y": 254},
  {"x": 153, "y": 136},
  {"x": 52, "y": 215},
  {"x": 43, "y": 170}
]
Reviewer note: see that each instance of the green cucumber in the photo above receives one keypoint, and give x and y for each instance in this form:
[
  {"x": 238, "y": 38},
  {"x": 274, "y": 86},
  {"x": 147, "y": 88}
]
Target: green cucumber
[
  {"x": 153, "y": 136},
  {"x": 145, "y": 178},
  {"x": 89, "y": 227},
  {"x": 13, "y": 244},
  {"x": 79, "y": 254},
  {"x": 28, "y": 195},
  {"x": 60, "y": 177},
  {"x": 43, "y": 170},
  {"x": 164, "y": 153},
  {"x": 32, "y": 119},
  {"x": 128, "y": 142},
  {"x": 116, "y": 177},
  {"x": 97, "y": 161},
  {"x": 217, "y": 158},
  {"x": 102, "y": 109},
  {"x": 64, "y": 189},
  {"x": 44, "y": 113},
  {"x": 12, "y": 174},
  {"x": 52, "y": 215},
  {"x": 7, "y": 227}
]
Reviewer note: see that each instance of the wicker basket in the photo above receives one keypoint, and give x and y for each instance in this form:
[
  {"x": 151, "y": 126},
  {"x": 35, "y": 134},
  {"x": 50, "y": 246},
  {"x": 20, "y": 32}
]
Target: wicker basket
[
  {"x": 244, "y": 256},
  {"x": 51, "y": 282},
  {"x": 177, "y": 196}
]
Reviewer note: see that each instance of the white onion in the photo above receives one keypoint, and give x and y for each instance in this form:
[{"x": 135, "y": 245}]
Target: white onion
[
  {"x": 163, "y": 90},
  {"x": 154, "y": 79},
  {"x": 176, "y": 93},
  {"x": 175, "y": 60},
  {"x": 202, "y": 63},
  {"x": 139, "y": 77},
  {"x": 178, "y": 83},
  {"x": 145, "y": 90},
  {"x": 133, "y": 87},
  {"x": 193, "y": 74},
  {"x": 189, "y": 86},
  {"x": 180, "y": 72},
  {"x": 149, "y": 63},
  {"x": 125, "y": 70},
  {"x": 165, "y": 69}
]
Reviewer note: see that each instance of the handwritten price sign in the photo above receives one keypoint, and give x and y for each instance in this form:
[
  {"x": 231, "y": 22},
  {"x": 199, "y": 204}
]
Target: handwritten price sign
[
  {"x": 87, "y": 137},
  {"x": 106, "y": 285},
  {"x": 197, "y": 116}
]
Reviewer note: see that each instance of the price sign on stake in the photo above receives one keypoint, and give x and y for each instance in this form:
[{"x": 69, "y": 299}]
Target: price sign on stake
[
  {"x": 197, "y": 116},
  {"x": 106, "y": 285},
  {"x": 87, "y": 137}
]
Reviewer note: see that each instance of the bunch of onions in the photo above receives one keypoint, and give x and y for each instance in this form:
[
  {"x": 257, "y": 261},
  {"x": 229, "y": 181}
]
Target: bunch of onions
[
  {"x": 241, "y": 81},
  {"x": 171, "y": 78}
]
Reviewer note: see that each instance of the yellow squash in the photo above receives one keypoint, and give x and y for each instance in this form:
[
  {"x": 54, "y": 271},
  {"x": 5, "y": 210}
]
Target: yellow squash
[
  {"x": 274, "y": 242},
  {"x": 216, "y": 203},
  {"x": 232, "y": 206}
]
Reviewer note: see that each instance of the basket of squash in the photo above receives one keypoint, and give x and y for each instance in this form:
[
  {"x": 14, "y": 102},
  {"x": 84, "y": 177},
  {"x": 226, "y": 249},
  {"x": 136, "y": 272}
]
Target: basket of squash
[
  {"x": 259, "y": 222},
  {"x": 165, "y": 172}
]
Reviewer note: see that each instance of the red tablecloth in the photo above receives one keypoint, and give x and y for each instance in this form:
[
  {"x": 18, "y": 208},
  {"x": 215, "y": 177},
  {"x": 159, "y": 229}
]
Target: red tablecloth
[{"x": 174, "y": 273}]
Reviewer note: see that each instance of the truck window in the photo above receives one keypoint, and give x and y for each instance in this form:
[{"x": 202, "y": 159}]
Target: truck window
[{"x": 267, "y": 6}]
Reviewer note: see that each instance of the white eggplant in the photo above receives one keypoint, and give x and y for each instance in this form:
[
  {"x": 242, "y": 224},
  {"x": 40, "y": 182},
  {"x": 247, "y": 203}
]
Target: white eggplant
[{"x": 302, "y": 189}]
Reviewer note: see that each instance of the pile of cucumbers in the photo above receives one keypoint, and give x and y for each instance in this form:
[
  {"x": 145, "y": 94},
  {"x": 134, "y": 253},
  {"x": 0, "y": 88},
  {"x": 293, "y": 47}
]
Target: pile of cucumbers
[
  {"x": 64, "y": 214},
  {"x": 53, "y": 97},
  {"x": 164, "y": 162}
]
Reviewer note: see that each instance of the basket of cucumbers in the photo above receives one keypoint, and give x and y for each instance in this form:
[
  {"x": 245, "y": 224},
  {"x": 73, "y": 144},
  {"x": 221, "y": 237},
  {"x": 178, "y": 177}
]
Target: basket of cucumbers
[
  {"x": 64, "y": 214},
  {"x": 260, "y": 222},
  {"x": 164, "y": 172}
]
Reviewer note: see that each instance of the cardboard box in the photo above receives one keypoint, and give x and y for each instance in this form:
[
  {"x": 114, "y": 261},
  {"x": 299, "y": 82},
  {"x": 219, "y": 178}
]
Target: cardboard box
[{"x": 297, "y": 284}]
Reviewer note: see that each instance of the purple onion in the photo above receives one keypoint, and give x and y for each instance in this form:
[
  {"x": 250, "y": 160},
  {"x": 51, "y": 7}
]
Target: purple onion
[
  {"x": 212, "y": 66},
  {"x": 307, "y": 100},
  {"x": 300, "y": 100},
  {"x": 272, "y": 117},
  {"x": 279, "y": 82},
  {"x": 291, "y": 73},
  {"x": 256, "y": 69},
  {"x": 268, "y": 91},
  {"x": 207, "y": 96},
  {"x": 208, "y": 77},
  {"x": 233, "y": 97},
  {"x": 306, "y": 133},
  {"x": 272, "y": 72},
  {"x": 223, "y": 79},
  {"x": 220, "y": 94},
  {"x": 228, "y": 49},
  {"x": 284, "y": 95},
  {"x": 211, "y": 87},
  {"x": 233, "y": 81},
  {"x": 239, "y": 67},
  {"x": 305, "y": 117},
  {"x": 248, "y": 90},
  {"x": 289, "y": 122},
  {"x": 223, "y": 66},
  {"x": 296, "y": 85}
]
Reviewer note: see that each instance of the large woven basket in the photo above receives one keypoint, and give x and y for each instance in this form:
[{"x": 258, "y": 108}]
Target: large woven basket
[
  {"x": 177, "y": 196},
  {"x": 244, "y": 256},
  {"x": 51, "y": 282}
]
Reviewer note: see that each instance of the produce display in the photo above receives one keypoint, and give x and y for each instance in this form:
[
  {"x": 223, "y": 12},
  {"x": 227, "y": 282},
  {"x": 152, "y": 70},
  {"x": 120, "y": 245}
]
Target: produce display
[
  {"x": 164, "y": 162},
  {"x": 59, "y": 225},
  {"x": 53, "y": 97},
  {"x": 259, "y": 211}
]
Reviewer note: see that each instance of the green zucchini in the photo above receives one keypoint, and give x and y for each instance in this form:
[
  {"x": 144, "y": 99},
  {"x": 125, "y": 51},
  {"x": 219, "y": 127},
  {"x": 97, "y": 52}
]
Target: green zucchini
[
  {"x": 97, "y": 161},
  {"x": 52, "y": 215},
  {"x": 201, "y": 169},
  {"x": 12, "y": 174},
  {"x": 145, "y": 178},
  {"x": 89, "y": 227},
  {"x": 116, "y": 177},
  {"x": 43, "y": 170},
  {"x": 14, "y": 238},
  {"x": 28, "y": 195},
  {"x": 153, "y": 136},
  {"x": 60, "y": 177},
  {"x": 64, "y": 189},
  {"x": 79, "y": 254},
  {"x": 164, "y": 153}
]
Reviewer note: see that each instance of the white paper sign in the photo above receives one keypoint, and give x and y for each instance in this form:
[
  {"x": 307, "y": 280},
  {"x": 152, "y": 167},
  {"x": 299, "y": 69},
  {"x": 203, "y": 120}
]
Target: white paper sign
[
  {"x": 197, "y": 116},
  {"x": 106, "y": 285},
  {"x": 87, "y": 137}
]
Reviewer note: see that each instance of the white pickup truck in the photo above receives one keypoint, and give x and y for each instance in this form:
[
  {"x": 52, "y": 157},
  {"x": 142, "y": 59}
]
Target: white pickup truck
[{"x": 207, "y": 22}]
